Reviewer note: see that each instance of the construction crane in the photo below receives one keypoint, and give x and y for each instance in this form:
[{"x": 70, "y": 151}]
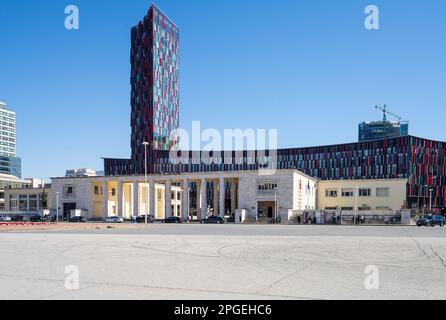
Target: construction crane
[{"x": 387, "y": 112}]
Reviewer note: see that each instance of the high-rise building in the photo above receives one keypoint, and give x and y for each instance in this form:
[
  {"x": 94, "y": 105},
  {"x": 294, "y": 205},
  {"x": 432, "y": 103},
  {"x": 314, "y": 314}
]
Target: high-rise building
[
  {"x": 9, "y": 163},
  {"x": 154, "y": 83},
  {"x": 154, "y": 91},
  {"x": 376, "y": 130}
]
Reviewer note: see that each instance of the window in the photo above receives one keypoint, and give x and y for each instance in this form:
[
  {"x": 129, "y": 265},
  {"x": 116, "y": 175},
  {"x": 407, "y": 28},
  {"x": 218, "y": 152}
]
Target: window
[
  {"x": 96, "y": 190},
  {"x": 331, "y": 193},
  {"x": 382, "y": 192},
  {"x": 347, "y": 208},
  {"x": 347, "y": 193},
  {"x": 23, "y": 203},
  {"x": 113, "y": 192},
  {"x": 365, "y": 192},
  {"x": 33, "y": 202},
  {"x": 267, "y": 186},
  {"x": 68, "y": 191},
  {"x": 331, "y": 208},
  {"x": 13, "y": 203}
]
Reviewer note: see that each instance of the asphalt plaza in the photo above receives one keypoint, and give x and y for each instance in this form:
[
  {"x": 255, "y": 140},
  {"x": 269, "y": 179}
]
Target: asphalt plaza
[{"x": 236, "y": 262}]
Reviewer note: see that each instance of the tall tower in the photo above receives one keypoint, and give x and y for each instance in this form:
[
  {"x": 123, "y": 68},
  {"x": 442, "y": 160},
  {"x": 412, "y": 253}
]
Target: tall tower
[
  {"x": 9, "y": 163},
  {"x": 154, "y": 85}
]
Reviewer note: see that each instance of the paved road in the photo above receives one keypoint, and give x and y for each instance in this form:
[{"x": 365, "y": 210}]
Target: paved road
[
  {"x": 226, "y": 262},
  {"x": 266, "y": 230}
]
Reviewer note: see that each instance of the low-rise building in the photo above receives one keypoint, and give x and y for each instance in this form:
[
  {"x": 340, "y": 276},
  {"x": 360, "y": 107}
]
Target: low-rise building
[
  {"x": 78, "y": 173},
  {"x": 28, "y": 200},
  {"x": 363, "y": 195},
  {"x": 10, "y": 182},
  {"x": 192, "y": 196}
]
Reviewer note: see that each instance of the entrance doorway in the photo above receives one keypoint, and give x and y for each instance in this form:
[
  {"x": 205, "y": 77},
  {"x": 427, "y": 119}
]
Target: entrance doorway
[
  {"x": 266, "y": 210},
  {"x": 67, "y": 207}
]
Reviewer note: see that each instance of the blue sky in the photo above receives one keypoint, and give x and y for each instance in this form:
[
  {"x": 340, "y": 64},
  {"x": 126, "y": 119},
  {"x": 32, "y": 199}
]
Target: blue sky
[{"x": 308, "y": 68}]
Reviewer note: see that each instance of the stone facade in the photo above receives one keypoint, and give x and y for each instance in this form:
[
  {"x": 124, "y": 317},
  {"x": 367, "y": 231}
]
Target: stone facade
[{"x": 99, "y": 197}]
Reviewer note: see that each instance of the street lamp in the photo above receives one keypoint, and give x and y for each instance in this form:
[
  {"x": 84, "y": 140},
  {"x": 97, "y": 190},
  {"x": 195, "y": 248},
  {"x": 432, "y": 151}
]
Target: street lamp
[
  {"x": 356, "y": 204},
  {"x": 145, "y": 144},
  {"x": 424, "y": 198},
  {"x": 57, "y": 207},
  {"x": 431, "y": 190},
  {"x": 276, "y": 202},
  {"x": 419, "y": 196}
]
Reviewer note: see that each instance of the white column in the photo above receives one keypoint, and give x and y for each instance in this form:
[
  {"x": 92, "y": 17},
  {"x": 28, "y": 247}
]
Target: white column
[
  {"x": 27, "y": 202},
  {"x": 222, "y": 194},
  {"x": 168, "y": 197},
  {"x": 135, "y": 199},
  {"x": 152, "y": 201},
  {"x": 203, "y": 199},
  {"x": 185, "y": 200},
  {"x": 120, "y": 197},
  {"x": 104, "y": 200}
]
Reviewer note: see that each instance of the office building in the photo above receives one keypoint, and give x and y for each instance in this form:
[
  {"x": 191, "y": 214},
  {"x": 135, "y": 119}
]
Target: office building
[
  {"x": 376, "y": 130},
  {"x": 9, "y": 163},
  {"x": 154, "y": 90}
]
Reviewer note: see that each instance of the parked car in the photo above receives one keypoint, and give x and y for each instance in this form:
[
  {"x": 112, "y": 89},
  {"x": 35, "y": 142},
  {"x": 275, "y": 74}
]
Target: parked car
[
  {"x": 142, "y": 219},
  {"x": 5, "y": 219},
  {"x": 35, "y": 219},
  {"x": 213, "y": 220},
  {"x": 17, "y": 219},
  {"x": 431, "y": 221},
  {"x": 113, "y": 220},
  {"x": 78, "y": 219},
  {"x": 173, "y": 220}
]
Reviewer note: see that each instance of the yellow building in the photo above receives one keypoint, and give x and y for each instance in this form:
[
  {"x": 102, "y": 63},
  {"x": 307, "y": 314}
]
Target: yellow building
[
  {"x": 365, "y": 195},
  {"x": 115, "y": 190}
]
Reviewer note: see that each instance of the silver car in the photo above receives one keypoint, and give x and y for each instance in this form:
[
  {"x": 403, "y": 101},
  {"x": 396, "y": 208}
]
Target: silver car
[{"x": 113, "y": 220}]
